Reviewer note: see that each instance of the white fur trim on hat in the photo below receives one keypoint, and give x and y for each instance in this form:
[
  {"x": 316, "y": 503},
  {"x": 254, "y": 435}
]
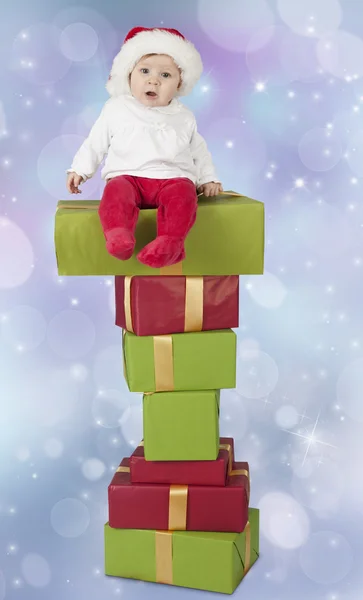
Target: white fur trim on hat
[{"x": 155, "y": 41}]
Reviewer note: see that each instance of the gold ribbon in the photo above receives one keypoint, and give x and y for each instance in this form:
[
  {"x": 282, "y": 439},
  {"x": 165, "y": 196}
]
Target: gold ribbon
[
  {"x": 224, "y": 194},
  {"x": 68, "y": 204},
  {"x": 123, "y": 470},
  {"x": 193, "y": 319},
  {"x": 228, "y": 447},
  {"x": 178, "y": 501},
  {"x": 163, "y": 363},
  {"x": 176, "y": 269},
  {"x": 123, "y": 353},
  {"x": 127, "y": 303},
  {"x": 247, "y": 564},
  {"x": 164, "y": 556},
  {"x": 246, "y": 474}
]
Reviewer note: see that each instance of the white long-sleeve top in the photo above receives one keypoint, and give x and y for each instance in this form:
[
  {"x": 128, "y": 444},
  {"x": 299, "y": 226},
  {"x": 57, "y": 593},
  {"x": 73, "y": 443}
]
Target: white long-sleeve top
[{"x": 159, "y": 142}]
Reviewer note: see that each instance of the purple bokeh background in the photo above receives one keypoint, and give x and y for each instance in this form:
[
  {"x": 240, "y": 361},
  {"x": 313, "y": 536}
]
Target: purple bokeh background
[{"x": 280, "y": 104}]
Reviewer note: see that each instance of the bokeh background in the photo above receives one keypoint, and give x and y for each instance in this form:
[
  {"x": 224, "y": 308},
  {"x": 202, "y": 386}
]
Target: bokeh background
[{"x": 280, "y": 105}]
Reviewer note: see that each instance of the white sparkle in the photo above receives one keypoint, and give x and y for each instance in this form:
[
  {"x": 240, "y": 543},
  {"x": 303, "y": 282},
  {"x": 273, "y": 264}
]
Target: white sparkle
[
  {"x": 291, "y": 94},
  {"x": 299, "y": 183},
  {"x": 269, "y": 175},
  {"x": 74, "y": 301},
  {"x": 260, "y": 86},
  {"x": 229, "y": 143},
  {"x": 357, "y": 261},
  {"x": 354, "y": 180},
  {"x": 311, "y": 439},
  {"x": 205, "y": 88},
  {"x": 12, "y": 548},
  {"x": 356, "y": 109}
]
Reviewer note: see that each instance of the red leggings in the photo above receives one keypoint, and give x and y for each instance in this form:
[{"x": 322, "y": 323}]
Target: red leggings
[{"x": 176, "y": 200}]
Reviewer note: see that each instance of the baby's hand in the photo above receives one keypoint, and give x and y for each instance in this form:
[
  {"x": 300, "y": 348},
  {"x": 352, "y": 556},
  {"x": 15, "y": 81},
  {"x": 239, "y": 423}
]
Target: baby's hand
[
  {"x": 73, "y": 181},
  {"x": 210, "y": 189}
]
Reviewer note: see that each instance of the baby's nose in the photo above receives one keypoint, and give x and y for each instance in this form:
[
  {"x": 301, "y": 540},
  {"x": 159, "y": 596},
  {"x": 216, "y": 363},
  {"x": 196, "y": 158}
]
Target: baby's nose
[{"x": 153, "y": 79}]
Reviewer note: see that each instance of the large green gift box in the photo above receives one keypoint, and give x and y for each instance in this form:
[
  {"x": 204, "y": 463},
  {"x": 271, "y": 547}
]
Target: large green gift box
[
  {"x": 226, "y": 239},
  {"x": 203, "y": 360},
  {"x": 211, "y": 561},
  {"x": 181, "y": 425}
]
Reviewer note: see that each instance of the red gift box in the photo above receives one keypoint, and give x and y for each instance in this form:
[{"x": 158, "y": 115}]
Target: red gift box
[
  {"x": 191, "y": 472},
  {"x": 158, "y": 305},
  {"x": 179, "y": 507}
]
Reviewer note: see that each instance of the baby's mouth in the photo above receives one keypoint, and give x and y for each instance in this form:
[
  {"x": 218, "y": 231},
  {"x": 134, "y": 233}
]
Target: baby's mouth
[{"x": 151, "y": 94}]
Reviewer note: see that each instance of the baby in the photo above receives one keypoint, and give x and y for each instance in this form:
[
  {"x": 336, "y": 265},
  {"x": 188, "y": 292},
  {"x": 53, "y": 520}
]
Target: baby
[{"x": 155, "y": 155}]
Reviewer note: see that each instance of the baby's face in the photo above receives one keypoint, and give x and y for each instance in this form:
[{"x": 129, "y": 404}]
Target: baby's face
[{"x": 155, "y": 80}]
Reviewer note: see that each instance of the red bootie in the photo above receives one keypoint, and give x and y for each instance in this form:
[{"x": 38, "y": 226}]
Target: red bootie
[
  {"x": 120, "y": 243},
  {"x": 165, "y": 250}
]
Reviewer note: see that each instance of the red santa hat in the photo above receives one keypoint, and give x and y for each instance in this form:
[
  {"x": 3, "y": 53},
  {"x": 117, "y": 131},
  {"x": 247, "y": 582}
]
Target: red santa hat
[{"x": 140, "y": 41}]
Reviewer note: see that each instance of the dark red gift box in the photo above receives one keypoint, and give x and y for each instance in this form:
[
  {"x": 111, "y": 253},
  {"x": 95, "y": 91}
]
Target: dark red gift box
[
  {"x": 157, "y": 305},
  {"x": 179, "y": 507},
  {"x": 191, "y": 472}
]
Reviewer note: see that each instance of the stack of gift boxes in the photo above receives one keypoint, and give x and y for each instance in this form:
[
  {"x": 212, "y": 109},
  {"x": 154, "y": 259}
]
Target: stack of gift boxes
[{"x": 179, "y": 505}]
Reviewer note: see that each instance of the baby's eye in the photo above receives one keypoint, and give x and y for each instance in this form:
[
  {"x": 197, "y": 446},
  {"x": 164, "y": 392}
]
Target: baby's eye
[
  {"x": 166, "y": 75},
  {"x": 144, "y": 70}
]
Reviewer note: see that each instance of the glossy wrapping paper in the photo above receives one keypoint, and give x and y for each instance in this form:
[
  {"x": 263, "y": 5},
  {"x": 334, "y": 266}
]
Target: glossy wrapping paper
[
  {"x": 197, "y": 472},
  {"x": 203, "y": 360},
  {"x": 204, "y": 560},
  {"x": 179, "y": 507},
  {"x": 226, "y": 239},
  {"x": 154, "y": 305},
  {"x": 181, "y": 425}
]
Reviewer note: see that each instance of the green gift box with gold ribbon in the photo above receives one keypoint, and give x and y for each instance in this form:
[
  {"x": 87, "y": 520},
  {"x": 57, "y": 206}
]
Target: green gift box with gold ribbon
[
  {"x": 203, "y": 360},
  {"x": 226, "y": 239},
  {"x": 212, "y": 561},
  {"x": 181, "y": 425}
]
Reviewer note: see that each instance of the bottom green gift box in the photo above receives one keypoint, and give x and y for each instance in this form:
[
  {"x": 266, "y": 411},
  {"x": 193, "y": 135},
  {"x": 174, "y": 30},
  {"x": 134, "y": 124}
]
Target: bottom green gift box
[{"x": 203, "y": 560}]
